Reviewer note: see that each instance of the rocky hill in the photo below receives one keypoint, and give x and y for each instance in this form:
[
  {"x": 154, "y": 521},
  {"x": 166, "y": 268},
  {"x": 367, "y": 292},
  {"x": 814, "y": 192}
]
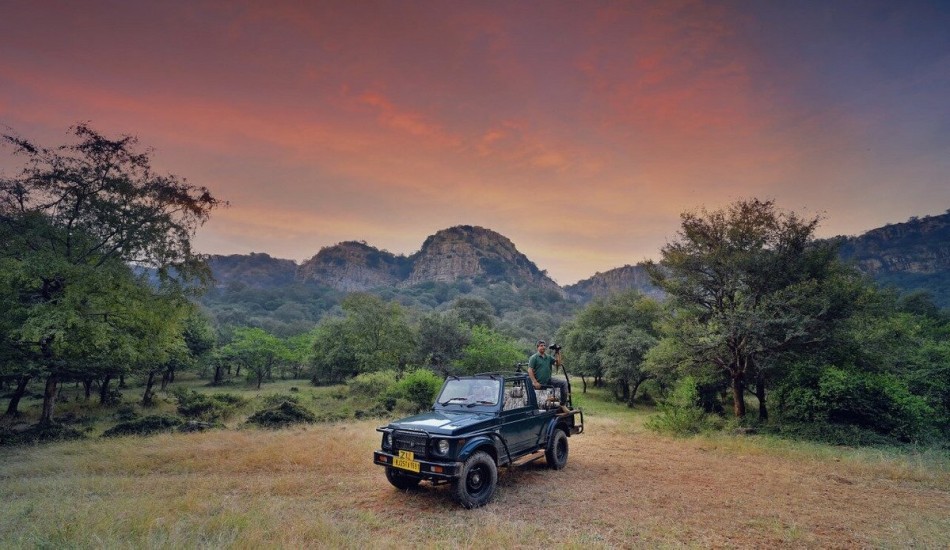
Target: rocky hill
[
  {"x": 351, "y": 266},
  {"x": 253, "y": 270},
  {"x": 461, "y": 253},
  {"x": 914, "y": 255},
  {"x": 621, "y": 279}
]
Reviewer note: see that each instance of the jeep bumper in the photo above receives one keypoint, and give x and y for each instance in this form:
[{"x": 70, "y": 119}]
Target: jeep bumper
[{"x": 428, "y": 469}]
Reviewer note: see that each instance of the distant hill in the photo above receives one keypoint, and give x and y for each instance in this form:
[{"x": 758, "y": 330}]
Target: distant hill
[
  {"x": 914, "y": 255},
  {"x": 621, "y": 279},
  {"x": 253, "y": 270},
  {"x": 461, "y": 253},
  {"x": 473, "y": 261}
]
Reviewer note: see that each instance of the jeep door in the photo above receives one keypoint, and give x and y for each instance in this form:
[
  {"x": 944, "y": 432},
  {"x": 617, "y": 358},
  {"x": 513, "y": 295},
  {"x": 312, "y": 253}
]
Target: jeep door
[{"x": 520, "y": 425}]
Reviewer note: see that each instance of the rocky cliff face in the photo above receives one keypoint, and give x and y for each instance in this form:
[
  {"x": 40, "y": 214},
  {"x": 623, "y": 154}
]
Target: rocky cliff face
[
  {"x": 919, "y": 246},
  {"x": 621, "y": 279},
  {"x": 474, "y": 253},
  {"x": 352, "y": 266},
  {"x": 459, "y": 253}
]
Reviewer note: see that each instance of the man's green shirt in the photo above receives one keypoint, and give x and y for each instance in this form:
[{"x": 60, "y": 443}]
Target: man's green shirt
[{"x": 543, "y": 366}]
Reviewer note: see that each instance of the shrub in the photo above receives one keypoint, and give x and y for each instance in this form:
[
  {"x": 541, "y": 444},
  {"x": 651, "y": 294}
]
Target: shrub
[
  {"x": 275, "y": 399},
  {"x": 419, "y": 387},
  {"x": 209, "y": 408},
  {"x": 282, "y": 415},
  {"x": 38, "y": 434},
  {"x": 681, "y": 413},
  {"x": 372, "y": 384},
  {"x": 146, "y": 425}
]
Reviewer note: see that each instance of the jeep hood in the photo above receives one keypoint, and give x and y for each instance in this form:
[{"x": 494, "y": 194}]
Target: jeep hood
[{"x": 444, "y": 422}]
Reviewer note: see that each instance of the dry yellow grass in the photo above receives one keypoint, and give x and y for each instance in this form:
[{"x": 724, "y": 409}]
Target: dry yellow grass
[{"x": 317, "y": 487}]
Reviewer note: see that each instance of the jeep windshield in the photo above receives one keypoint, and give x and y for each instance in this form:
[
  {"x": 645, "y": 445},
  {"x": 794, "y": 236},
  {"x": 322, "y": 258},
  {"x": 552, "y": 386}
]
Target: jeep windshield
[{"x": 470, "y": 392}]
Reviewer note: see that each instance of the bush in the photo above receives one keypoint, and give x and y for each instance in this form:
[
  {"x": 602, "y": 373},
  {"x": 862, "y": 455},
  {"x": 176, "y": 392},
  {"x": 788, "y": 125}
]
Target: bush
[
  {"x": 147, "y": 425},
  {"x": 419, "y": 387},
  {"x": 38, "y": 434},
  {"x": 372, "y": 385},
  {"x": 681, "y": 413},
  {"x": 206, "y": 407},
  {"x": 275, "y": 399},
  {"x": 282, "y": 415}
]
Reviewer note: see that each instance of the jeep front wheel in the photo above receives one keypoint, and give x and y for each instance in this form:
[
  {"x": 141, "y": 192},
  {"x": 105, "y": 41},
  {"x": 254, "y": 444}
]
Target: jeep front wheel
[
  {"x": 476, "y": 484},
  {"x": 400, "y": 480},
  {"x": 556, "y": 453}
]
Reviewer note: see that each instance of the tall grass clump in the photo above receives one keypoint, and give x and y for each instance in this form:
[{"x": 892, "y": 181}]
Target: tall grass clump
[{"x": 680, "y": 413}]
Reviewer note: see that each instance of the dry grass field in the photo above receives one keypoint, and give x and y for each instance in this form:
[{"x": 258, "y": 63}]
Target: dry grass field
[{"x": 316, "y": 487}]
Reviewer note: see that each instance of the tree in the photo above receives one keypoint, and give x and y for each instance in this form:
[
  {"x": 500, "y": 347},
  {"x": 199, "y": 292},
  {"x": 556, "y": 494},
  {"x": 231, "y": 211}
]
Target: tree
[
  {"x": 378, "y": 331},
  {"x": 747, "y": 282},
  {"x": 474, "y": 311},
  {"x": 259, "y": 351},
  {"x": 488, "y": 351},
  {"x": 609, "y": 338},
  {"x": 76, "y": 216},
  {"x": 441, "y": 340}
]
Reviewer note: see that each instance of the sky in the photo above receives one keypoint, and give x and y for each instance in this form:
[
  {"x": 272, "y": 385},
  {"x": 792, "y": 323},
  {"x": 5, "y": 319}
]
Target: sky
[{"x": 579, "y": 130}]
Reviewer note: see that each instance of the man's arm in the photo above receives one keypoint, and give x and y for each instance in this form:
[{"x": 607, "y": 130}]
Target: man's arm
[{"x": 534, "y": 381}]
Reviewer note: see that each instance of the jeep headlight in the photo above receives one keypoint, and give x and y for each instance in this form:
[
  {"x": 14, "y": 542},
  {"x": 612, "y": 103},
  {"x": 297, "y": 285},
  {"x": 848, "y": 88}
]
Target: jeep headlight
[
  {"x": 388, "y": 440},
  {"x": 442, "y": 447}
]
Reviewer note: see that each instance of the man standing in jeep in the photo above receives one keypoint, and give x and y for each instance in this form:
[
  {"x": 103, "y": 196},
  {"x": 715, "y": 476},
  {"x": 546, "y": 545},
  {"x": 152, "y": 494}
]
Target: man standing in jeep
[{"x": 540, "y": 368}]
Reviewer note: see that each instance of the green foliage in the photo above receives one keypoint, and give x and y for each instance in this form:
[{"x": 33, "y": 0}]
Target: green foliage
[
  {"x": 147, "y": 425},
  {"x": 280, "y": 416},
  {"x": 420, "y": 388},
  {"x": 488, "y": 351},
  {"x": 680, "y": 413},
  {"x": 40, "y": 433},
  {"x": 441, "y": 338},
  {"x": 259, "y": 351},
  {"x": 206, "y": 407},
  {"x": 372, "y": 385}
]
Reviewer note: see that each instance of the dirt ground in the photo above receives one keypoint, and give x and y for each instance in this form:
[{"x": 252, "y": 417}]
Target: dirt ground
[{"x": 625, "y": 487}]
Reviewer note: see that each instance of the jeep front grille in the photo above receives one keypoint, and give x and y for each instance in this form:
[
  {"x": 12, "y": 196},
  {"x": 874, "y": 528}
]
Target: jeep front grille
[{"x": 403, "y": 441}]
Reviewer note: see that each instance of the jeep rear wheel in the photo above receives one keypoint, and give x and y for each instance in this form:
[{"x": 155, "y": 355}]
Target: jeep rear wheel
[
  {"x": 476, "y": 484},
  {"x": 556, "y": 453},
  {"x": 400, "y": 480}
]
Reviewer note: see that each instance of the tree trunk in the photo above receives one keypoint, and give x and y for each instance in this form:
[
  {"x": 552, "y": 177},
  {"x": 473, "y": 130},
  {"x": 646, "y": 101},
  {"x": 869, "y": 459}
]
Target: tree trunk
[
  {"x": 622, "y": 391},
  {"x": 121, "y": 381},
  {"x": 171, "y": 375},
  {"x": 584, "y": 383},
  {"x": 164, "y": 380},
  {"x": 738, "y": 395},
  {"x": 12, "y": 408},
  {"x": 49, "y": 399},
  {"x": 760, "y": 394},
  {"x": 218, "y": 375},
  {"x": 633, "y": 391},
  {"x": 87, "y": 387},
  {"x": 104, "y": 390},
  {"x": 147, "y": 396},
  {"x": 260, "y": 378}
]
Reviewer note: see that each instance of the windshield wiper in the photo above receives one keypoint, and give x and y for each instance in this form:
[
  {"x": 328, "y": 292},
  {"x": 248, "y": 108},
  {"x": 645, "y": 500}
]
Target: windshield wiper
[
  {"x": 444, "y": 403},
  {"x": 481, "y": 403}
]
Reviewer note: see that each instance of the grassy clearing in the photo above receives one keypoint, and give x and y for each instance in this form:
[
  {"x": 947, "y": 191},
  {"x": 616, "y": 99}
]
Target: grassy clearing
[{"x": 316, "y": 487}]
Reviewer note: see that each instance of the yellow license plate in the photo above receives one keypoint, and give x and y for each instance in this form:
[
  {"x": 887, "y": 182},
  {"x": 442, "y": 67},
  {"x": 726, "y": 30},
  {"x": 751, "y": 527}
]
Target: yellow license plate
[{"x": 406, "y": 461}]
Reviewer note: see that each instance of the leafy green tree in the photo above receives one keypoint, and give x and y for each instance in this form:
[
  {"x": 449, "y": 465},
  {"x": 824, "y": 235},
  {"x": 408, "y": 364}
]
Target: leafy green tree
[
  {"x": 334, "y": 356},
  {"x": 259, "y": 351},
  {"x": 72, "y": 220},
  {"x": 474, "y": 311},
  {"x": 441, "y": 339},
  {"x": 609, "y": 338},
  {"x": 379, "y": 332},
  {"x": 747, "y": 282},
  {"x": 488, "y": 351}
]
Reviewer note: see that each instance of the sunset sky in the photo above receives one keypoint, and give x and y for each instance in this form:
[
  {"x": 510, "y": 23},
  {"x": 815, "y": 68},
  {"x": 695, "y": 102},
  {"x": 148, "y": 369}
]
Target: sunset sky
[{"x": 580, "y": 130}]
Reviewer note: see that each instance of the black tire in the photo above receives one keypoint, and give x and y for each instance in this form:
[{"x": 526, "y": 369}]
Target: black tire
[
  {"x": 557, "y": 451},
  {"x": 476, "y": 484},
  {"x": 400, "y": 480}
]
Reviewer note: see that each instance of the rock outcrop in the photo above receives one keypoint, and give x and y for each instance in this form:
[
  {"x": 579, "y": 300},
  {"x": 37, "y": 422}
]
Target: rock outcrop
[
  {"x": 621, "y": 279},
  {"x": 352, "y": 266}
]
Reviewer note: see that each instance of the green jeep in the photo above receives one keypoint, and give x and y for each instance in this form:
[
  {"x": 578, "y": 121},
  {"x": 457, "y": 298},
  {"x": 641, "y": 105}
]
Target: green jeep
[{"x": 477, "y": 424}]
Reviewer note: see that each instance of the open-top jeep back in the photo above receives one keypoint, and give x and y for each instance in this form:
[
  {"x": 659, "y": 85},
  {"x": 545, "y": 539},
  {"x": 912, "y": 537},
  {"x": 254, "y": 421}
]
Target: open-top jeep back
[{"x": 477, "y": 424}]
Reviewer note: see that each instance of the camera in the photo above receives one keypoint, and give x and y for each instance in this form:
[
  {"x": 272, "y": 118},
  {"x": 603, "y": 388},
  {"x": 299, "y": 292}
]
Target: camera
[{"x": 555, "y": 348}]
